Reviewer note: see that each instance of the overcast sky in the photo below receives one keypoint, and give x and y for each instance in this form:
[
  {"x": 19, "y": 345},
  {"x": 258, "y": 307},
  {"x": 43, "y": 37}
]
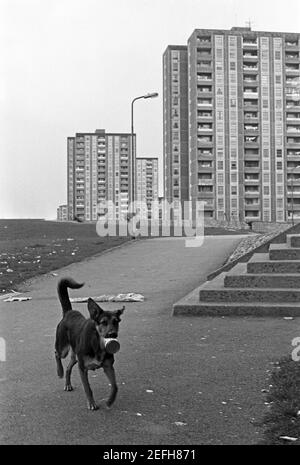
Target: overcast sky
[{"x": 75, "y": 65}]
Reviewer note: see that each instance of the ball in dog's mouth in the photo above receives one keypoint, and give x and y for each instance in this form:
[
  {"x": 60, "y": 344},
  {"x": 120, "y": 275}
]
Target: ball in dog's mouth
[{"x": 111, "y": 345}]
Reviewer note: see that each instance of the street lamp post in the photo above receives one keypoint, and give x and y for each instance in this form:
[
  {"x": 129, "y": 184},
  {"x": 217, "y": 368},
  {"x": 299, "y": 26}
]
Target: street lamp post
[{"x": 150, "y": 95}]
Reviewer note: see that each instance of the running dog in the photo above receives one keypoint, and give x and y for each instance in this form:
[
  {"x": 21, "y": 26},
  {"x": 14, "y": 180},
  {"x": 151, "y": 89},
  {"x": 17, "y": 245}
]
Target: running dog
[{"x": 84, "y": 338}]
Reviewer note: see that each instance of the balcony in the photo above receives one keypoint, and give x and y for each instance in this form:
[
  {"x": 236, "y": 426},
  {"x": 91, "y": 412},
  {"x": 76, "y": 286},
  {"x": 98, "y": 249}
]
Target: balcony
[
  {"x": 205, "y": 166},
  {"x": 293, "y": 105},
  {"x": 251, "y": 128},
  {"x": 249, "y": 94},
  {"x": 294, "y": 167},
  {"x": 204, "y": 154},
  {"x": 250, "y": 192},
  {"x": 294, "y": 193},
  {"x": 251, "y": 169},
  {"x": 291, "y": 44},
  {"x": 204, "y": 65},
  {"x": 205, "y": 41},
  {"x": 204, "y": 93},
  {"x": 293, "y": 141},
  {"x": 251, "y": 140},
  {"x": 202, "y": 115},
  {"x": 205, "y": 78},
  {"x": 251, "y": 156},
  {"x": 250, "y": 57},
  {"x": 206, "y": 194},
  {"x": 293, "y": 129},
  {"x": 252, "y": 207},
  {"x": 251, "y": 178},
  {"x": 295, "y": 117},
  {"x": 251, "y": 117},
  {"x": 205, "y": 141},
  {"x": 294, "y": 155},
  {"x": 252, "y": 215},
  {"x": 204, "y": 89},
  {"x": 205, "y": 182},
  {"x": 204, "y": 103},
  {"x": 294, "y": 207},
  {"x": 254, "y": 202},
  {"x": 250, "y": 67},
  {"x": 292, "y": 57},
  {"x": 291, "y": 181},
  {"x": 251, "y": 104},
  {"x": 249, "y": 44},
  {"x": 292, "y": 70},
  {"x": 205, "y": 128},
  {"x": 204, "y": 55}
]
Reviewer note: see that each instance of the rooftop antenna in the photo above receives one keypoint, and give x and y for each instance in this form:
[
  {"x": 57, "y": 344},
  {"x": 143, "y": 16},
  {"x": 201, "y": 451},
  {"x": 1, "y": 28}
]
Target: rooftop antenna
[{"x": 249, "y": 23}]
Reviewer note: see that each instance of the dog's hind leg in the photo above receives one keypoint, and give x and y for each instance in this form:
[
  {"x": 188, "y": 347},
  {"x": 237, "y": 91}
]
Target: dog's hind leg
[
  {"x": 110, "y": 373},
  {"x": 61, "y": 347},
  {"x": 73, "y": 361},
  {"x": 59, "y": 365}
]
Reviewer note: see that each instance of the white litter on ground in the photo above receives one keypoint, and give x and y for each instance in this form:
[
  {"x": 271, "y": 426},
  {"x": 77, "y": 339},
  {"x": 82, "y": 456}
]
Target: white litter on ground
[
  {"x": 17, "y": 299},
  {"x": 288, "y": 438},
  {"x": 9, "y": 294},
  {"x": 180, "y": 423},
  {"x": 130, "y": 297}
]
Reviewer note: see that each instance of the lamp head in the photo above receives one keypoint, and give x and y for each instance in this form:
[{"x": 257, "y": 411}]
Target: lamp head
[{"x": 151, "y": 95}]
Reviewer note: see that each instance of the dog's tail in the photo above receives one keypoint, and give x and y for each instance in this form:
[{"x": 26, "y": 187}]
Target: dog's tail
[{"x": 62, "y": 289}]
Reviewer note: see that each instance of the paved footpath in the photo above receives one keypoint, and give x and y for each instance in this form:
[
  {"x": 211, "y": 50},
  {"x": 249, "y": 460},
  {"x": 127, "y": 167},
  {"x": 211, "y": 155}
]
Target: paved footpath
[{"x": 182, "y": 380}]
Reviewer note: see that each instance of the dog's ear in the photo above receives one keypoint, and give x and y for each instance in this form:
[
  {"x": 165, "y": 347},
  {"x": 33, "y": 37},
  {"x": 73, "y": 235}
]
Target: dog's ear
[
  {"x": 119, "y": 312},
  {"x": 94, "y": 310}
]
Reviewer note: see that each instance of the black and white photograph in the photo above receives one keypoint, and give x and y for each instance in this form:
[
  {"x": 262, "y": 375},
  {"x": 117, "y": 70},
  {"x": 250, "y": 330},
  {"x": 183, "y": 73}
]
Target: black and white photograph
[{"x": 149, "y": 226}]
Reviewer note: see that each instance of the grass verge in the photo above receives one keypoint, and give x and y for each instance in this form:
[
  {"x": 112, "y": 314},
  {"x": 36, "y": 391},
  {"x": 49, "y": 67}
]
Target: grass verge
[
  {"x": 30, "y": 248},
  {"x": 283, "y": 419}
]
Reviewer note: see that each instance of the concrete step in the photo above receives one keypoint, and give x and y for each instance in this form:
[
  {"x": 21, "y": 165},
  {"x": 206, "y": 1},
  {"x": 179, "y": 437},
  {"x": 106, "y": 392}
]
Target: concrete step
[
  {"x": 293, "y": 240},
  {"x": 236, "y": 309},
  {"x": 239, "y": 278},
  {"x": 260, "y": 263},
  {"x": 190, "y": 306},
  {"x": 214, "y": 291},
  {"x": 283, "y": 252}
]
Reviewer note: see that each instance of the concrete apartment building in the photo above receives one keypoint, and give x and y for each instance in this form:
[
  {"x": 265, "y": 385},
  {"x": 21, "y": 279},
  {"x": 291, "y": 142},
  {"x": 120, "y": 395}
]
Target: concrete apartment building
[
  {"x": 99, "y": 168},
  {"x": 62, "y": 213},
  {"x": 147, "y": 182},
  {"x": 243, "y": 122},
  {"x": 175, "y": 131}
]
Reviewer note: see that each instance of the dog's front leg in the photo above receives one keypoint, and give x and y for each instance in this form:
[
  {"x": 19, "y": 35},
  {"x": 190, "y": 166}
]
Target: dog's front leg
[
  {"x": 110, "y": 373},
  {"x": 89, "y": 393}
]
